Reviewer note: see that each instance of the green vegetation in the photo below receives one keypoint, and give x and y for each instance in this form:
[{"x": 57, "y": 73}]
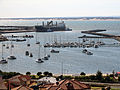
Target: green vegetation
[
  {"x": 7, "y": 75},
  {"x": 82, "y": 77}
]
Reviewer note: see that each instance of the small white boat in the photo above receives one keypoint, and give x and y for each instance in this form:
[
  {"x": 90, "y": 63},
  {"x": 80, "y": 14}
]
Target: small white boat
[
  {"x": 85, "y": 51},
  {"x": 28, "y": 45},
  {"x": 96, "y": 46},
  {"x": 11, "y": 57},
  {"x": 7, "y": 47},
  {"x": 37, "y": 42},
  {"x": 3, "y": 61},
  {"x": 39, "y": 60},
  {"x": 89, "y": 53},
  {"x": 45, "y": 58},
  {"x": 54, "y": 51},
  {"x": 48, "y": 55},
  {"x": 27, "y": 53},
  {"x": 31, "y": 55}
]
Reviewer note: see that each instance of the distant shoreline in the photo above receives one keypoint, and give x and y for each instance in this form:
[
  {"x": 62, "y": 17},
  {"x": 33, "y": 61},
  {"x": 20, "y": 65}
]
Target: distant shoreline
[
  {"x": 69, "y": 18},
  {"x": 62, "y": 19}
]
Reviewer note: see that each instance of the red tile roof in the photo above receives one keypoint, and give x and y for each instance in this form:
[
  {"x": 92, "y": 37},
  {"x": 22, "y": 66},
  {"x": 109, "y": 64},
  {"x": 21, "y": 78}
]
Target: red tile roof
[
  {"x": 22, "y": 88},
  {"x": 69, "y": 84}
]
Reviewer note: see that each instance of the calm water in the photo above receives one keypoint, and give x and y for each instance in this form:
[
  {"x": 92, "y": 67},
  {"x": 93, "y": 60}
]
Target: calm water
[{"x": 74, "y": 61}]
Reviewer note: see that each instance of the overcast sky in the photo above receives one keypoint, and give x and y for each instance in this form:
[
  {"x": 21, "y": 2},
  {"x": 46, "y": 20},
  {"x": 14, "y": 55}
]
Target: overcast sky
[{"x": 59, "y": 8}]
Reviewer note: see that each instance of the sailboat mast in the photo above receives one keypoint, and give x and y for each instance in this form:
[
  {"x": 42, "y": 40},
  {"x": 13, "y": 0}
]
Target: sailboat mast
[
  {"x": 39, "y": 52},
  {"x": 2, "y": 49},
  {"x": 36, "y": 36},
  {"x": 11, "y": 48}
]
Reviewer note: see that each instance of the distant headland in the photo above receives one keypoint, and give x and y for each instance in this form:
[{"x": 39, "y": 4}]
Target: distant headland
[{"x": 66, "y": 18}]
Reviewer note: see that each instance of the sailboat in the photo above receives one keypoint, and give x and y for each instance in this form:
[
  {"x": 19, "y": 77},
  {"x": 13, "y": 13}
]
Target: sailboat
[
  {"x": 7, "y": 47},
  {"x": 11, "y": 57},
  {"x": 45, "y": 55},
  {"x": 39, "y": 60},
  {"x": 28, "y": 44},
  {"x": 37, "y": 42},
  {"x": 31, "y": 55},
  {"x": 3, "y": 61}
]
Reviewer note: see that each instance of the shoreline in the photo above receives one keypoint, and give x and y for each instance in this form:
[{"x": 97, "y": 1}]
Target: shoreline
[{"x": 61, "y": 19}]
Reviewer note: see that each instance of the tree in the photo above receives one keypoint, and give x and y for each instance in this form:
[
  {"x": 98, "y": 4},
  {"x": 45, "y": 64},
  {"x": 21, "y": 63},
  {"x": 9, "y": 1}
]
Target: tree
[
  {"x": 46, "y": 73},
  {"x": 107, "y": 78},
  {"x": 28, "y": 73},
  {"x": 0, "y": 71},
  {"x": 119, "y": 78},
  {"x": 33, "y": 77},
  {"x": 39, "y": 73},
  {"x": 50, "y": 74},
  {"x": 61, "y": 77},
  {"x": 99, "y": 75},
  {"x": 82, "y": 73}
]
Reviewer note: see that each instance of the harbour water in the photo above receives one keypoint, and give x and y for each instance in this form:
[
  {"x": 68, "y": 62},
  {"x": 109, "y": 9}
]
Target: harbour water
[{"x": 74, "y": 61}]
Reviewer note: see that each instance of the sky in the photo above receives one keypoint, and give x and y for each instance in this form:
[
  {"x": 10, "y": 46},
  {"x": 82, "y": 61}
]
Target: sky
[{"x": 58, "y": 8}]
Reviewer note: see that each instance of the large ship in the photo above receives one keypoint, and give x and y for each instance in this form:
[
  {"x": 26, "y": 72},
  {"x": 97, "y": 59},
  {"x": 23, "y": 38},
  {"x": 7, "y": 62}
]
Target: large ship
[{"x": 51, "y": 27}]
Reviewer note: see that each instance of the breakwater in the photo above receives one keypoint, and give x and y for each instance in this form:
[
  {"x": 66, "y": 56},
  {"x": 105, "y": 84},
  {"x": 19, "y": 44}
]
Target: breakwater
[{"x": 95, "y": 32}]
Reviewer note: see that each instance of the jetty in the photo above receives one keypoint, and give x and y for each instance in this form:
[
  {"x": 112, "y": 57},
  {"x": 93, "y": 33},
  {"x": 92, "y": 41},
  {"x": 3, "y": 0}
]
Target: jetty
[{"x": 96, "y": 32}]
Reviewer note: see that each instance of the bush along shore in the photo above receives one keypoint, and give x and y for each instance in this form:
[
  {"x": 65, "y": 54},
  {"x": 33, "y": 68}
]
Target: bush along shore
[{"x": 98, "y": 77}]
